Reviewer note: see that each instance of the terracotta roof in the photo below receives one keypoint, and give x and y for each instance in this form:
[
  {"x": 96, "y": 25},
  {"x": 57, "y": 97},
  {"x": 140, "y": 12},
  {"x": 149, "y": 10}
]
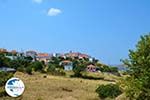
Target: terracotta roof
[
  {"x": 43, "y": 55},
  {"x": 66, "y": 61},
  {"x": 73, "y": 54}
]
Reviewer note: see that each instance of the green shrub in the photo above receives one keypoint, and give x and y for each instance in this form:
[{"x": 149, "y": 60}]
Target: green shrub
[
  {"x": 2, "y": 92},
  {"x": 29, "y": 70},
  {"x": 59, "y": 72},
  {"x": 51, "y": 68},
  {"x": 77, "y": 70},
  {"x": 92, "y": 77},
  {"x": 21, "y": 69},
  {"x": 56, "y": 71},
  {"x": 110, "y": 90},
  {"x": 4, "y": 76},
  {"x": 109, "y": 69},
  {"x": 113, "y": 69}
]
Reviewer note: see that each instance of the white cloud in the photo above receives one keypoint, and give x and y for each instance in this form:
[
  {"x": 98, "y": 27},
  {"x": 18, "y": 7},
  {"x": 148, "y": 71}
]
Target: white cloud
[
  {"x": 54, "y": 12},
  {"x": 38, "y": 1}
]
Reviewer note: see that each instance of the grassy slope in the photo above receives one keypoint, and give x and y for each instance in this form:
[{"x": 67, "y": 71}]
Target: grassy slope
[{"x": 57, "y": 88}]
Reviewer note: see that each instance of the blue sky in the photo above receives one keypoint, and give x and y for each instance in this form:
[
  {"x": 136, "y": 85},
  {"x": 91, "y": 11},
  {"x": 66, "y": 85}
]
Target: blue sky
[{"x": 105, "y": 29}]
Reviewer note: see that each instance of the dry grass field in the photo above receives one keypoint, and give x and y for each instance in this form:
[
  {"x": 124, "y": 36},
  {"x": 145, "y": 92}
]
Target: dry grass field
[{"x": 57, "y": 88}]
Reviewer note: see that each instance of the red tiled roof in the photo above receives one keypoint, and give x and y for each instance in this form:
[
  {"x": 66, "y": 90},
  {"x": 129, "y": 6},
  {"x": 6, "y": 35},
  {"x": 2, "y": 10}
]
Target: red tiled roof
[
  {"x": 13, "y": 51},
  {"x": 66, "y": 61},
  {"x": 42, "y": 54}
]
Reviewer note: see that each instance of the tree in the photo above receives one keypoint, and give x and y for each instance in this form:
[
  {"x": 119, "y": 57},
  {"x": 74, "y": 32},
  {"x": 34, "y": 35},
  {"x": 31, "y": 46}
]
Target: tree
[
  {"x": 4, "y": 61},
  {"x": 55, "y": 71},
  {"x": 138, "y": 83},
  {"x": 15, "y": 64},
  {"x": 78, "y": 69},
  {"x": 37, "y": 66},
  {"x": 29, "y": 58}
]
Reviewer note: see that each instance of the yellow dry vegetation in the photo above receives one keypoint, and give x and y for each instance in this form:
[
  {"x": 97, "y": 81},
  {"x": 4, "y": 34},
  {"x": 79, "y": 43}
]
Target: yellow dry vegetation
[{"x": 47, "y": 87}]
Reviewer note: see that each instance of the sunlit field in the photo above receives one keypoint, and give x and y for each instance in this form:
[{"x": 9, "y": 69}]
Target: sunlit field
[{"x": 47, "y": 87}]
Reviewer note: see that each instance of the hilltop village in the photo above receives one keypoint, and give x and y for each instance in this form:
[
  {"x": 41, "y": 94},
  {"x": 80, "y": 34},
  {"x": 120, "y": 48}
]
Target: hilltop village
[{"x": 65, "y": 61}]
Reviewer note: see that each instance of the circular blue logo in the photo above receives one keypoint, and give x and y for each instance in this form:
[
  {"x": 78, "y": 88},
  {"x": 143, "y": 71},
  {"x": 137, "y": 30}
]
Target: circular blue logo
[{"x": 14, "y": 87}]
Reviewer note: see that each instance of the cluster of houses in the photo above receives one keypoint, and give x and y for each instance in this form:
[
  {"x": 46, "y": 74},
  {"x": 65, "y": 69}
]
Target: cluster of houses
[{"x": 46, "y": 57}]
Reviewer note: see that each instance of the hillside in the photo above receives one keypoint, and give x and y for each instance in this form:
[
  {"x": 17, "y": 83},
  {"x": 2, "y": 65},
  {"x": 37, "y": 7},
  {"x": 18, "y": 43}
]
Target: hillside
[{"x": 57, "y": 88}]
